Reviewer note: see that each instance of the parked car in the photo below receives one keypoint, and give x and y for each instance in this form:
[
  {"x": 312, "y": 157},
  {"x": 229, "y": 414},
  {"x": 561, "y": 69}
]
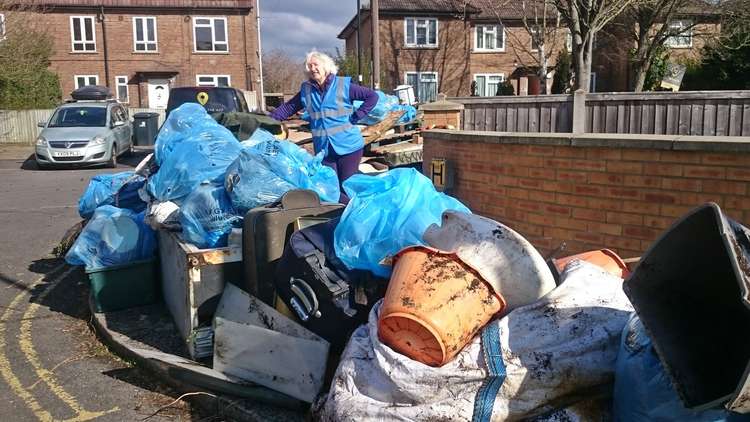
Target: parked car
[
  {"x": 85, "y": 133},
  {"x": 214, "y": 99}
]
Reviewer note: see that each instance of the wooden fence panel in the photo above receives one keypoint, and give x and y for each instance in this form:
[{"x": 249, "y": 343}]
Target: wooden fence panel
[{"x": 710, "y": 113}]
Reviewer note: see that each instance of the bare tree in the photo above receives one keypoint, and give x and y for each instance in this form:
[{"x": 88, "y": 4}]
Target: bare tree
[
  {"x": 281, "y": 73},
  {"x": 585, "y": 18}
]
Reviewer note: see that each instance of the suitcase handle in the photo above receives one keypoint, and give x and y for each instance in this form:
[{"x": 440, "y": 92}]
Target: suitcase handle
[
  {"x": 298, "y": 199},
  {"x": 306, "y": 309}
]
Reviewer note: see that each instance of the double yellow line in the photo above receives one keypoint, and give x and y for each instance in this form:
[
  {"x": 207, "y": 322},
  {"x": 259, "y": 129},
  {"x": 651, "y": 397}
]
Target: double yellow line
[{"x": 27, "y": 347}]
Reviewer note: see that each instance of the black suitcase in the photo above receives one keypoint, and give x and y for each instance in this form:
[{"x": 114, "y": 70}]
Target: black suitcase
[
  {"x": 265, "y": 232},
  {"x": 329, "y": 299}
]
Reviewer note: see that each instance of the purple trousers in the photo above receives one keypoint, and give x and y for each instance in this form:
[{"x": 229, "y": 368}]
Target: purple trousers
[{"x": 344, "y": 166}]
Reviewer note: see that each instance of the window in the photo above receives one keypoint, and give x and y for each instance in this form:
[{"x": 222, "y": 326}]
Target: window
[
  {"x": 421, "y": 32},
  {"x": 84, "y": 80},
  {"x": 489, "y": 38},
  {"x": 2, "y": 26},
  {"x": 121, "y": 82},
  {"x": 487, "y": 83},
  {"x": 683, "y": 34},
  {"x": 212, "y": 80},
  {"x": 425, "y": 85},
  {"x": 118, "y": 114},
  {"x": 144, "y": 34},
  {"x": 82, "y": 33},
  {"x": 210, "y": 34}
]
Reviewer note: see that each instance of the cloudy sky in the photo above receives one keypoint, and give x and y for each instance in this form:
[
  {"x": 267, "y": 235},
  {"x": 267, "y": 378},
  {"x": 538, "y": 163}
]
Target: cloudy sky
[{"x": 297, "y": 26}]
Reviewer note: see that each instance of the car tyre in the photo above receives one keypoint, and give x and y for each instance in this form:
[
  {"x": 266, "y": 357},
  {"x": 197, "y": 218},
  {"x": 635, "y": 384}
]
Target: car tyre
[{"x": 112, "y": 163}]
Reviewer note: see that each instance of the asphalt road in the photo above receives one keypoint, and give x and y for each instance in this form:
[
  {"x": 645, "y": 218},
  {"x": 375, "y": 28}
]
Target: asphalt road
[{"x": 52, "y": 367}]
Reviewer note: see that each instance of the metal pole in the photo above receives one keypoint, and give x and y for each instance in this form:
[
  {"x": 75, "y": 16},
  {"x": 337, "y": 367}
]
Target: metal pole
[
  {"x": 261, "y": 100},
  {"x": 359, "y": 42},
  {"x": 375, "y": 44}
]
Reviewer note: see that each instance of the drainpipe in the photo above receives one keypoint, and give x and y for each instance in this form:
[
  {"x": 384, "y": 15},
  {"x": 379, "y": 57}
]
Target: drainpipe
[
  {"x": 359, "y": 41},
  {"x": 244, "y": 46},
  {"x": 261, "y": 100},
  {"x": 104, "y": 42},
  {"x": 374, "y": 6}
]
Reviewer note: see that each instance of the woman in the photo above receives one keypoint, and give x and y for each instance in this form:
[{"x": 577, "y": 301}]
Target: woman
[{"x": 328, "y": 100}]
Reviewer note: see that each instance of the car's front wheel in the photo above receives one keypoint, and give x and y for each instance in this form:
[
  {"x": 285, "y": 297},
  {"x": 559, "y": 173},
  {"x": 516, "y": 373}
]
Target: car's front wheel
[{"x": 112, "y": 163}]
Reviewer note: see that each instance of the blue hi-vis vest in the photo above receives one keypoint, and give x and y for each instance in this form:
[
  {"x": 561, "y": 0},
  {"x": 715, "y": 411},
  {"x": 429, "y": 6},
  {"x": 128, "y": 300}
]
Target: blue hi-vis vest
[{"x": 329, "y": 117}]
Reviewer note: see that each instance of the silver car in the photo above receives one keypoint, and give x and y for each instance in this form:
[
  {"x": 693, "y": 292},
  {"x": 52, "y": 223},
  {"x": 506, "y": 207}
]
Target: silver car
[{"x": 85, "y": 133}]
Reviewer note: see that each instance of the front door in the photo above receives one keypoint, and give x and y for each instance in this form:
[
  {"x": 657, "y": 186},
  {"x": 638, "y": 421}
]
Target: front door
[{"x": 158, "y": 93}]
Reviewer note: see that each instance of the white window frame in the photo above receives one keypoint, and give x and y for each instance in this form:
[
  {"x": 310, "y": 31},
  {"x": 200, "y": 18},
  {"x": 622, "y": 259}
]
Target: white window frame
[
  {"x": 215, "y": 80},
  {"x": 487, "y": 82},
  {"x": 415, "y": 44},
  {"x": 83, "y": 40},
  {"x": 484, "y": 28},
  {"x": 87, "y": 77},
  {"x": 213, "y": 34},
  {"x": 675, "y": 41},
  {"x": 419, "y": 80},
  {"x": 2, "y": 26},
  {"x": 146, "y": 42},
  {"x": 121, "y": 81}
]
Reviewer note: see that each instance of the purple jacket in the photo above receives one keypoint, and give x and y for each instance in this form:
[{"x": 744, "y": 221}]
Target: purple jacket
[{"x": 356, "y": 92}]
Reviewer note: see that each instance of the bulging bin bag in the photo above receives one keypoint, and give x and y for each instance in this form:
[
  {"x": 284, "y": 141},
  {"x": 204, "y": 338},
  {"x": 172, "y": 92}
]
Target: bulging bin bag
[
  {"x": 267, "y": 170},
  {"x": 643, "y": 391},
  {"x": 118, "y": 189},
  {"x": 188, "y": 121},
  {"x": 113, "y": 236},
  {"x": 192, "y": 162},
  {"x": 529, "y": 362},
  {"x": 207, "y": 216},
  {"x": 387, "y": 213}
]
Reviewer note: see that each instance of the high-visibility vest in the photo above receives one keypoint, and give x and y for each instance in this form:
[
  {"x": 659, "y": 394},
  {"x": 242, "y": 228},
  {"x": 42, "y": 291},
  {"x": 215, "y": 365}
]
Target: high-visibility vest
[{"x": 329, "y": 117}]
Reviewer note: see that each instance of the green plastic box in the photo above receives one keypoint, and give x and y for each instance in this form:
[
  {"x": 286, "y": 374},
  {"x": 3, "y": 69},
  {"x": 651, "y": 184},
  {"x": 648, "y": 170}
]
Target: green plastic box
[{"x": 124, "y": 286}]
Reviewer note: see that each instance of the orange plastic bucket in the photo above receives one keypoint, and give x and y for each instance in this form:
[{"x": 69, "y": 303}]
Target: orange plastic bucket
[
  {"x": 604, "y": 258},
  {"x": 434, "y": 305}
]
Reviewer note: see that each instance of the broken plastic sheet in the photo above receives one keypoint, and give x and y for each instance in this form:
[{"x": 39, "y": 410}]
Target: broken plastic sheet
[{"x": 562, "y": 344}]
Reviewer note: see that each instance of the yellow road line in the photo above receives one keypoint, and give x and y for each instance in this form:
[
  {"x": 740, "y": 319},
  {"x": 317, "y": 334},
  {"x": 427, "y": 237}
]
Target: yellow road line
[{"x": 46, "y": 376}]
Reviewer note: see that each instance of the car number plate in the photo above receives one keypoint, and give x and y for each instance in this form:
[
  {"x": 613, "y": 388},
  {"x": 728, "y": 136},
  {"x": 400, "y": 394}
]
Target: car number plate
[{"x": 65, "y": 153}]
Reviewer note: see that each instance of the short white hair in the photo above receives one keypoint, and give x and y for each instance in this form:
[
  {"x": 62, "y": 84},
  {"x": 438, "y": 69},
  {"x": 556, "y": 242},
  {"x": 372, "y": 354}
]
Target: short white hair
[{"x": 329, "y": 66}]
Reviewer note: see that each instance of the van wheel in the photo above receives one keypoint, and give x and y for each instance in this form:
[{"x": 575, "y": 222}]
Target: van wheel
[{"x": 112, "y": 163}]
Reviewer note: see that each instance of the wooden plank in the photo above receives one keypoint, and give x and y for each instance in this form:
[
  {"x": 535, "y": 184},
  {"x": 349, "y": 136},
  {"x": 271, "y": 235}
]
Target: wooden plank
[
  {"x": 622, "y": 118},
  {"x": 709, "y": 118},
  {"x": 660, "y": 118},
  {"x": 545, "y": 118},
  {"x": 722, "y": 119},
  {"x": 610, "y": 121},
  {"x": 746, "y": 119},
  {"x": 596, "y": 111},
  {"x": 696, "y": 119},
  {"x": 522, "y": 124},
  {"x": 646, "y": 124},
  {"x": 672, "y": 119},
  {"x": 479, "y": 114},
  {"x": 510, "y": 119},
  {"x": 469, "y": 119},
  {"x": 500, "y": 120},
  {"x": 683, "y": 122},
  {"x": 634, "y": 119},
  {"x": 589, "y": 123},
  {"x": 533, "y": 119},
  {"x": 553, "y": 113},
  {"x": 489, "y": 118},
  {"x": 735, "y": 119}
]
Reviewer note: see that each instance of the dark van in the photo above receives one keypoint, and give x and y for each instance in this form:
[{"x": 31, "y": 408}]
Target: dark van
[{"x": 213, "y": 99}]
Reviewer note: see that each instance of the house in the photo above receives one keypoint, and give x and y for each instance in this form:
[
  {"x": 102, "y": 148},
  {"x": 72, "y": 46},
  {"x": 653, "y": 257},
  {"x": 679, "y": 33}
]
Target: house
[
  {"x": 141, "y": 48},
  {"x": 462, "y": 48}
]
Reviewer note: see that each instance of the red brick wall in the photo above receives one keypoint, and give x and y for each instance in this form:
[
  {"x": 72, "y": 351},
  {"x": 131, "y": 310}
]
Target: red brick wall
[
  {"x": 175, "y": 49},
  {"x": 590, "y": 197}
]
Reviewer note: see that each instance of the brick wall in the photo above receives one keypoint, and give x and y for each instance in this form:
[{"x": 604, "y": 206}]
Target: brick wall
[{"x": 593, "y": 191}]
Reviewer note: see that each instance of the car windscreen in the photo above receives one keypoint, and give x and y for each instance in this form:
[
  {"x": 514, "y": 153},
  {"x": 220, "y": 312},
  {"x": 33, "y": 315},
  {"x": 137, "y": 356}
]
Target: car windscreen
[
  {"x": 79, "y": 117},
  {"x": 213, "y": 100}
]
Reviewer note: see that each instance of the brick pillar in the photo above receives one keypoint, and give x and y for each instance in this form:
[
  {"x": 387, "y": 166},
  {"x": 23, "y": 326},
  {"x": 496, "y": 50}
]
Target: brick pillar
[{"x": 442, "y": 113}]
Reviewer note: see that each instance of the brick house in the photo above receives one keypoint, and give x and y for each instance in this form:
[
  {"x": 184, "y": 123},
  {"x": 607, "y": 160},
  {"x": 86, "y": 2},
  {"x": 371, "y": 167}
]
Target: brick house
[
  {"x": 141, "y": 48},
  {"x": 442, "y": 46}
]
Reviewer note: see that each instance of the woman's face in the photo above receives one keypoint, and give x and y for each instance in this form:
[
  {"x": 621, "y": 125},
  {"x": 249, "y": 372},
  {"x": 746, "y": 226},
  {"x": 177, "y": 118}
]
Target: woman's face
[{"x": 316, "y": 70}]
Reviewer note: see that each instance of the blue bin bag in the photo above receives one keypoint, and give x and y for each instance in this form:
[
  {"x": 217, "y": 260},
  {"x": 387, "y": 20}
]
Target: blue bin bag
[
  {"x": 186, "y": 122},
  {"x": 267, "y": 170},
  {"x": 120, "y": 189},
  {"x": 203, "y": 158},
  {"x": 207, "y": 216},
  {"x": 113, "y": 236},
  {"x": 643, "y": 390},
  {"x": 387, "y": 213},
  {"x": 380, "y": 111}
]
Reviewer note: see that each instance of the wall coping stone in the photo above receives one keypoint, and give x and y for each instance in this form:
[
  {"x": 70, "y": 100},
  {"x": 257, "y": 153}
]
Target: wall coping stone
[{"x": 604, "y": 140}]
